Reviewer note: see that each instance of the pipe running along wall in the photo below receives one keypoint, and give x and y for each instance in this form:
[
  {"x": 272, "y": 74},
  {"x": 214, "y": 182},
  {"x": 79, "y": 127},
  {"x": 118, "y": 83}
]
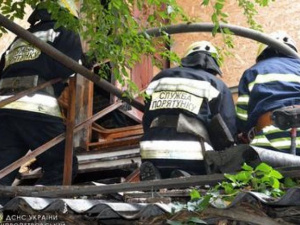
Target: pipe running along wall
[
  {"x": 236, "y": 30},
  {"x": 172, "y": 29}
]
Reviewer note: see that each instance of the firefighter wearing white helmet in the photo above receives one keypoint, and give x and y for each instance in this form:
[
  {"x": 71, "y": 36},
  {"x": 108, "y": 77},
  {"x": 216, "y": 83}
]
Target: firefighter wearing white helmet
[
  {"x": 272, "y": 83},
  {"x": 31, "y": 121},
  {"x": 281, "y": 36},
  {"x": 177, "y": 118},
  {"x": 202, "y": 46}
]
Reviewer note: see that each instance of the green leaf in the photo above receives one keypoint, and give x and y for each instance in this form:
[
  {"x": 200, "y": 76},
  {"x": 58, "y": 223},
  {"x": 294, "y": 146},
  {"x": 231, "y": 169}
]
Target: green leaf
[
  {"x": 276, "y": 174},
  {"x": 263, "y": 167},
  {"x": 275, "y": 183},
  {"x": 218, "y": 6},
  {"x": 277, "y": 193},
  {"x": 247, "y": 167},
  {"x": 205, "y": 2},
  {"x": 195, "y": 195},
  {"x": 228, "y": 188},
  {"x": 289, "y": 182},
  {"x": 230, "y": 177},
  {"x": 243, "y": 176},
  {"x": 205, "y": 202}
]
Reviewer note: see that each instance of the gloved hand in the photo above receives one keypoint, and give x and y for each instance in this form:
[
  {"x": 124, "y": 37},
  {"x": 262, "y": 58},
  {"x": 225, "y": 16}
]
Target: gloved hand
[{"x": 231, "y": 159}]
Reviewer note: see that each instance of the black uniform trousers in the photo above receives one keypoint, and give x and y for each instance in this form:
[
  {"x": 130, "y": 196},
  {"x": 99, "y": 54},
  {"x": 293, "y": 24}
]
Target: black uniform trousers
[{"x": 22, "y": 131}]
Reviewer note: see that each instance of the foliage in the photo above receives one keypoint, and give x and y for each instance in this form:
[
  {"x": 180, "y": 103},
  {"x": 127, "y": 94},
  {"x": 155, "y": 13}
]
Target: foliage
[
  {"x": 220, "y": 16},
  {"x": 114, "y": 29},
  {"x": 263, "y": 179}
]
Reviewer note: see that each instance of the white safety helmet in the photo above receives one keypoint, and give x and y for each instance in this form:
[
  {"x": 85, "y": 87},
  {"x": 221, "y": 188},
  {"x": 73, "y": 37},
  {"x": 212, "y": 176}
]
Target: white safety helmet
[
  {"x": 281, "y": 36},
  {"x": 70, "y": 5},
  {"x": 204, "y": 46}
]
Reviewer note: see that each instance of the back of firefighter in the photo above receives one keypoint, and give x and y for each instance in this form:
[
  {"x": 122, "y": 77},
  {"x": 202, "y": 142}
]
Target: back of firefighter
[
  {"x": 272, "y": 83},
  {"x": 35, "y": 119},
  {"x": 182, "y": 102}
]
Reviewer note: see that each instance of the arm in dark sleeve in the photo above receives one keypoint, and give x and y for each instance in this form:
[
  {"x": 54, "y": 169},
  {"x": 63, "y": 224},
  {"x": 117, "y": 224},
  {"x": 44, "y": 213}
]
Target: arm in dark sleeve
[
  {"x": 146, "y": 118},
  {"x": 68, "y": 42},
  {"x": 227, "y": 111},
  {"x": 224, "y": 106}
]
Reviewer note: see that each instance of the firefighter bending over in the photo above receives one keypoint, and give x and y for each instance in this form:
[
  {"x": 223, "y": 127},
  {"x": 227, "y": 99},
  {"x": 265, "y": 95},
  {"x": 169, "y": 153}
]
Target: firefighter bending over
[
  {"x": 264, "y": 89},
  {"x": 33, "y": 120},
  {"x": 184, "y": 103}
]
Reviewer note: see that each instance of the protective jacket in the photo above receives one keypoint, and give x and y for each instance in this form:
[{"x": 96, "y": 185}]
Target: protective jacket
[
  {"x": 24, "y": 66},
  {"x": 33, "y": 120},
  {"x": 270, "y": 84},
  {"x": 191, "y": 93}
]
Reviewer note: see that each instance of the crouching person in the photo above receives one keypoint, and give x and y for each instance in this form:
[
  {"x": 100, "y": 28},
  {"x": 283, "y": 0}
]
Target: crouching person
[{"x": 190, "y": 111}]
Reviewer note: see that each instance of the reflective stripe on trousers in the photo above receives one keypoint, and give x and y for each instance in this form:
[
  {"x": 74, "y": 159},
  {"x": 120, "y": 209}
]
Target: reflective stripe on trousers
[
  {"x": 185, "y": 150},
  {"x": 37, "y": 103},
  {"x": 274, "y": 138}
]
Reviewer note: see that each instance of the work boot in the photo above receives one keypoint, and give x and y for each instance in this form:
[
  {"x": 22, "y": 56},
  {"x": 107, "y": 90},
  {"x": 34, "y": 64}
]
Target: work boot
[
  {"x": 179, "y": 173},
  {"x": 149, "y": 172}
]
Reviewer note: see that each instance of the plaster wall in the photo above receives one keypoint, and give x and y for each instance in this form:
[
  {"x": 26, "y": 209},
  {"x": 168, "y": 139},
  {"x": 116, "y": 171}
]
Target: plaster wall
[{"x": 280, "y": 15}]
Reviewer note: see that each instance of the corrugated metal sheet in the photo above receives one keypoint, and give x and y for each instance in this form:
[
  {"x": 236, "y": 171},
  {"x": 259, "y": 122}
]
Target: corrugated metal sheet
[
  {"x": 98, "y": 208},
  {"x": 113, "y": 210},
  {"x": 291, "y": 198}
]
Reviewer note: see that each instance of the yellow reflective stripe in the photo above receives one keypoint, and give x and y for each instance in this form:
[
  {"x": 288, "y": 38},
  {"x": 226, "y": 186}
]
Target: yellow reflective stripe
[
  {"x": 265, "y": 78},
  {"x": 241, "y": 113},
  {"x": 284, "y": 142},
  {"x": 271, "y": 129},
  {"x": 243, "y": 100},
  {"x": 37, "y": 103},
  {"x": 187, "y": 150},
  {"x": 260, "y": 140},
  {"x": 281, "y": 142}
]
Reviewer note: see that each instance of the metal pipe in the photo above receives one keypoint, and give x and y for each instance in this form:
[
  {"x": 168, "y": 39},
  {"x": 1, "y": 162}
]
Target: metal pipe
[
  {"x": 67, "y": 61},
  {"x": 236, "y": 30}
]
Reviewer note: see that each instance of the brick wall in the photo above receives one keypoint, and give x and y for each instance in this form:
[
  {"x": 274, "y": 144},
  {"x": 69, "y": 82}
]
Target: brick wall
[{"x": 280, "y": 15}]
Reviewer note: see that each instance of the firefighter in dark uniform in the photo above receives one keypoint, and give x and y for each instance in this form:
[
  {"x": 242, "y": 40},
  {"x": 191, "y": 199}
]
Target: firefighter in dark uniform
[
  {"x": 31, "y": 121},
  {"x": 183, "y": 101},
  {"x": 272, "y": 83}
]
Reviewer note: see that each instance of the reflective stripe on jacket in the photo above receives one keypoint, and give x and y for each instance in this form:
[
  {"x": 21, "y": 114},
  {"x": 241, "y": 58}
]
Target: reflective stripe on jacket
[
  {"x": 37, "y": 103},
  {"x": 192, "y": 92},
  {"x": 270, "y": 84},
  {"x": 22, "y": 59}
]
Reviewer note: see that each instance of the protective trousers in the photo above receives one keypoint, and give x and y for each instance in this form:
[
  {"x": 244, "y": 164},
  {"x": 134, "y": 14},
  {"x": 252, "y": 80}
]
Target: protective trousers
[{"x": 18, "y": 135}]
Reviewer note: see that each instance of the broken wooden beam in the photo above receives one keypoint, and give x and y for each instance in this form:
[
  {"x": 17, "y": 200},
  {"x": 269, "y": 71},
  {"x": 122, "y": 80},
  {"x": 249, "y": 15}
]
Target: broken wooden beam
[{"x": 69, "y": 191}]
